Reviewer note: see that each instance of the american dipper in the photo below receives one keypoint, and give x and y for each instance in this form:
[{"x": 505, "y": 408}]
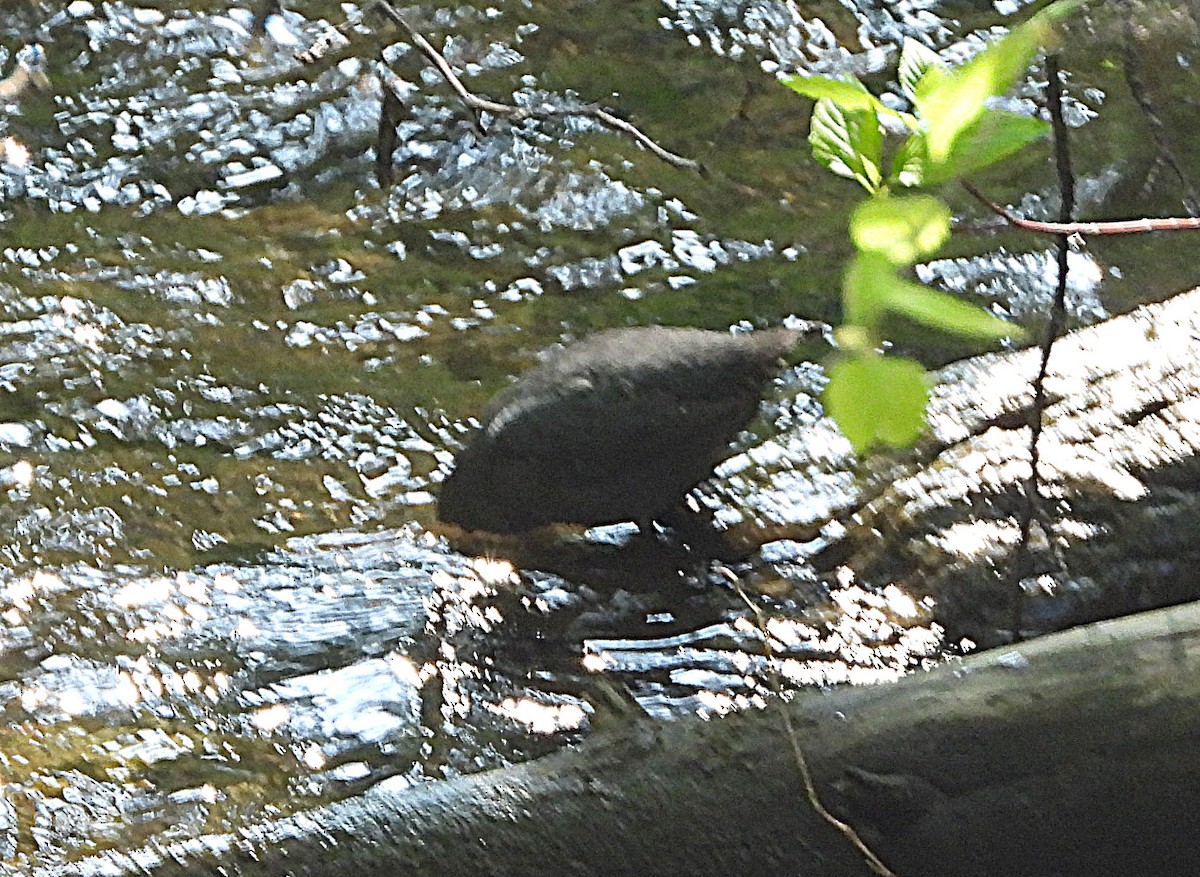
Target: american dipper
[{"x": 617, "y": 427}]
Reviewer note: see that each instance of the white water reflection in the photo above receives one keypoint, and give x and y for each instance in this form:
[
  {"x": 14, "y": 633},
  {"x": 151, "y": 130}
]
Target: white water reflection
[{"x": 1022, "y": 285}]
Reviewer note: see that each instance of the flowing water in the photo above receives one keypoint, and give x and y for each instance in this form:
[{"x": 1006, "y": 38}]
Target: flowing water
[{"x": 234, "y": 369}]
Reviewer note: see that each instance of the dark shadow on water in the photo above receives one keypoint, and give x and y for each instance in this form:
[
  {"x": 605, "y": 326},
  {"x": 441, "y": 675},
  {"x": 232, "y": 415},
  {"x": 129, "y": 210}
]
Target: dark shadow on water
[{"x": 613, "y": 559}]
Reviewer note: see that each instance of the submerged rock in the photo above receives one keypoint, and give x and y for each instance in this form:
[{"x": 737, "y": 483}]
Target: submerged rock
[{"x": 618, "y": 427}]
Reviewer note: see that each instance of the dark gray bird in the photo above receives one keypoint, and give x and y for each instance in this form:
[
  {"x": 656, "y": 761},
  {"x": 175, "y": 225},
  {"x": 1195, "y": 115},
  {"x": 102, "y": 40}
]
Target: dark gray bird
[{"x": 617, "y": 427}]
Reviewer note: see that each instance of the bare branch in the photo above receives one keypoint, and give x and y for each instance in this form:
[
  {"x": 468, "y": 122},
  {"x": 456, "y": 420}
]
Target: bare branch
[
  {"x": 1020, "y": 568},
  {"x": 1123, "y": 226},
  {"x": 1132, "y": 67},
  {"x": 479, "y": 104}
]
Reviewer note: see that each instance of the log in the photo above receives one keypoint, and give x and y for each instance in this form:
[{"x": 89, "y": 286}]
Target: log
[{"x": 1070, "y": 755}]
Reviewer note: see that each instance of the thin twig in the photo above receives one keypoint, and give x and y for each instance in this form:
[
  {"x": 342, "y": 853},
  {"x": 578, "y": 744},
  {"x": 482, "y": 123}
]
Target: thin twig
[
  {"x": 391, "y": 111},
  {"x": 1066, "y": 228},
  {"x": 810, "y": 787},
  {"x": 1141, "y": 97},
  {"x": 479, "y": 104},
  {"x": 1058, "y": 316}
]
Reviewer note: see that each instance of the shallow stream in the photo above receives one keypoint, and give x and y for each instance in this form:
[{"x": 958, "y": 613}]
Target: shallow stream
[{"x": 234, "y": 368}]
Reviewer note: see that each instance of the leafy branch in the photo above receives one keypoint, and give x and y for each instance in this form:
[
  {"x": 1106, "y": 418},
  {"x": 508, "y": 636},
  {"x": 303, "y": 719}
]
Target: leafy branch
[{"x": 952, "y": 131}]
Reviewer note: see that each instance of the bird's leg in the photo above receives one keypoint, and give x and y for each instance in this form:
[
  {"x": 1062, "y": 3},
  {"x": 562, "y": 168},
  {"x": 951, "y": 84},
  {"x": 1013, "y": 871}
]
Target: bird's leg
[
  {"x": 612, "y": 702},
  {"x": 610, "y": 699},
  {"x": 696, "y": 528}
]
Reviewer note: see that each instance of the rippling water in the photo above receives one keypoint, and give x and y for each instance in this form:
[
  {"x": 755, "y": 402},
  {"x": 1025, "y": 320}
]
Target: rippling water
[{"x": 234, "y": 370}]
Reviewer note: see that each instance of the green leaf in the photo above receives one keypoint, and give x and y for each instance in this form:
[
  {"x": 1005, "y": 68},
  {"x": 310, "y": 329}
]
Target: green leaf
[
  {"x": 950, "y": 104},
  {"x": 916, "y": 60},
  {"x": 902, "y": 229},
  {"x": 994, "y": 136},
  {"x": 941, "y": 310},
  {"x": 908, "y": 164},
  {"x": 877, "y": 400},
  {"x": 849, "y": 94},
  {"x": 851, "y": 338},
  {"x": 849, "y": 143},
  {"x": 871, "y": 289},
  {"x": 862, "y": 302}
]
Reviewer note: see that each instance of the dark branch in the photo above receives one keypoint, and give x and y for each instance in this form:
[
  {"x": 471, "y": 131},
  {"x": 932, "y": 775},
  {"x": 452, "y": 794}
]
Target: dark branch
[
  {"x": 479, "y": 104},
  {"x": 1054, "y": 327}
]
